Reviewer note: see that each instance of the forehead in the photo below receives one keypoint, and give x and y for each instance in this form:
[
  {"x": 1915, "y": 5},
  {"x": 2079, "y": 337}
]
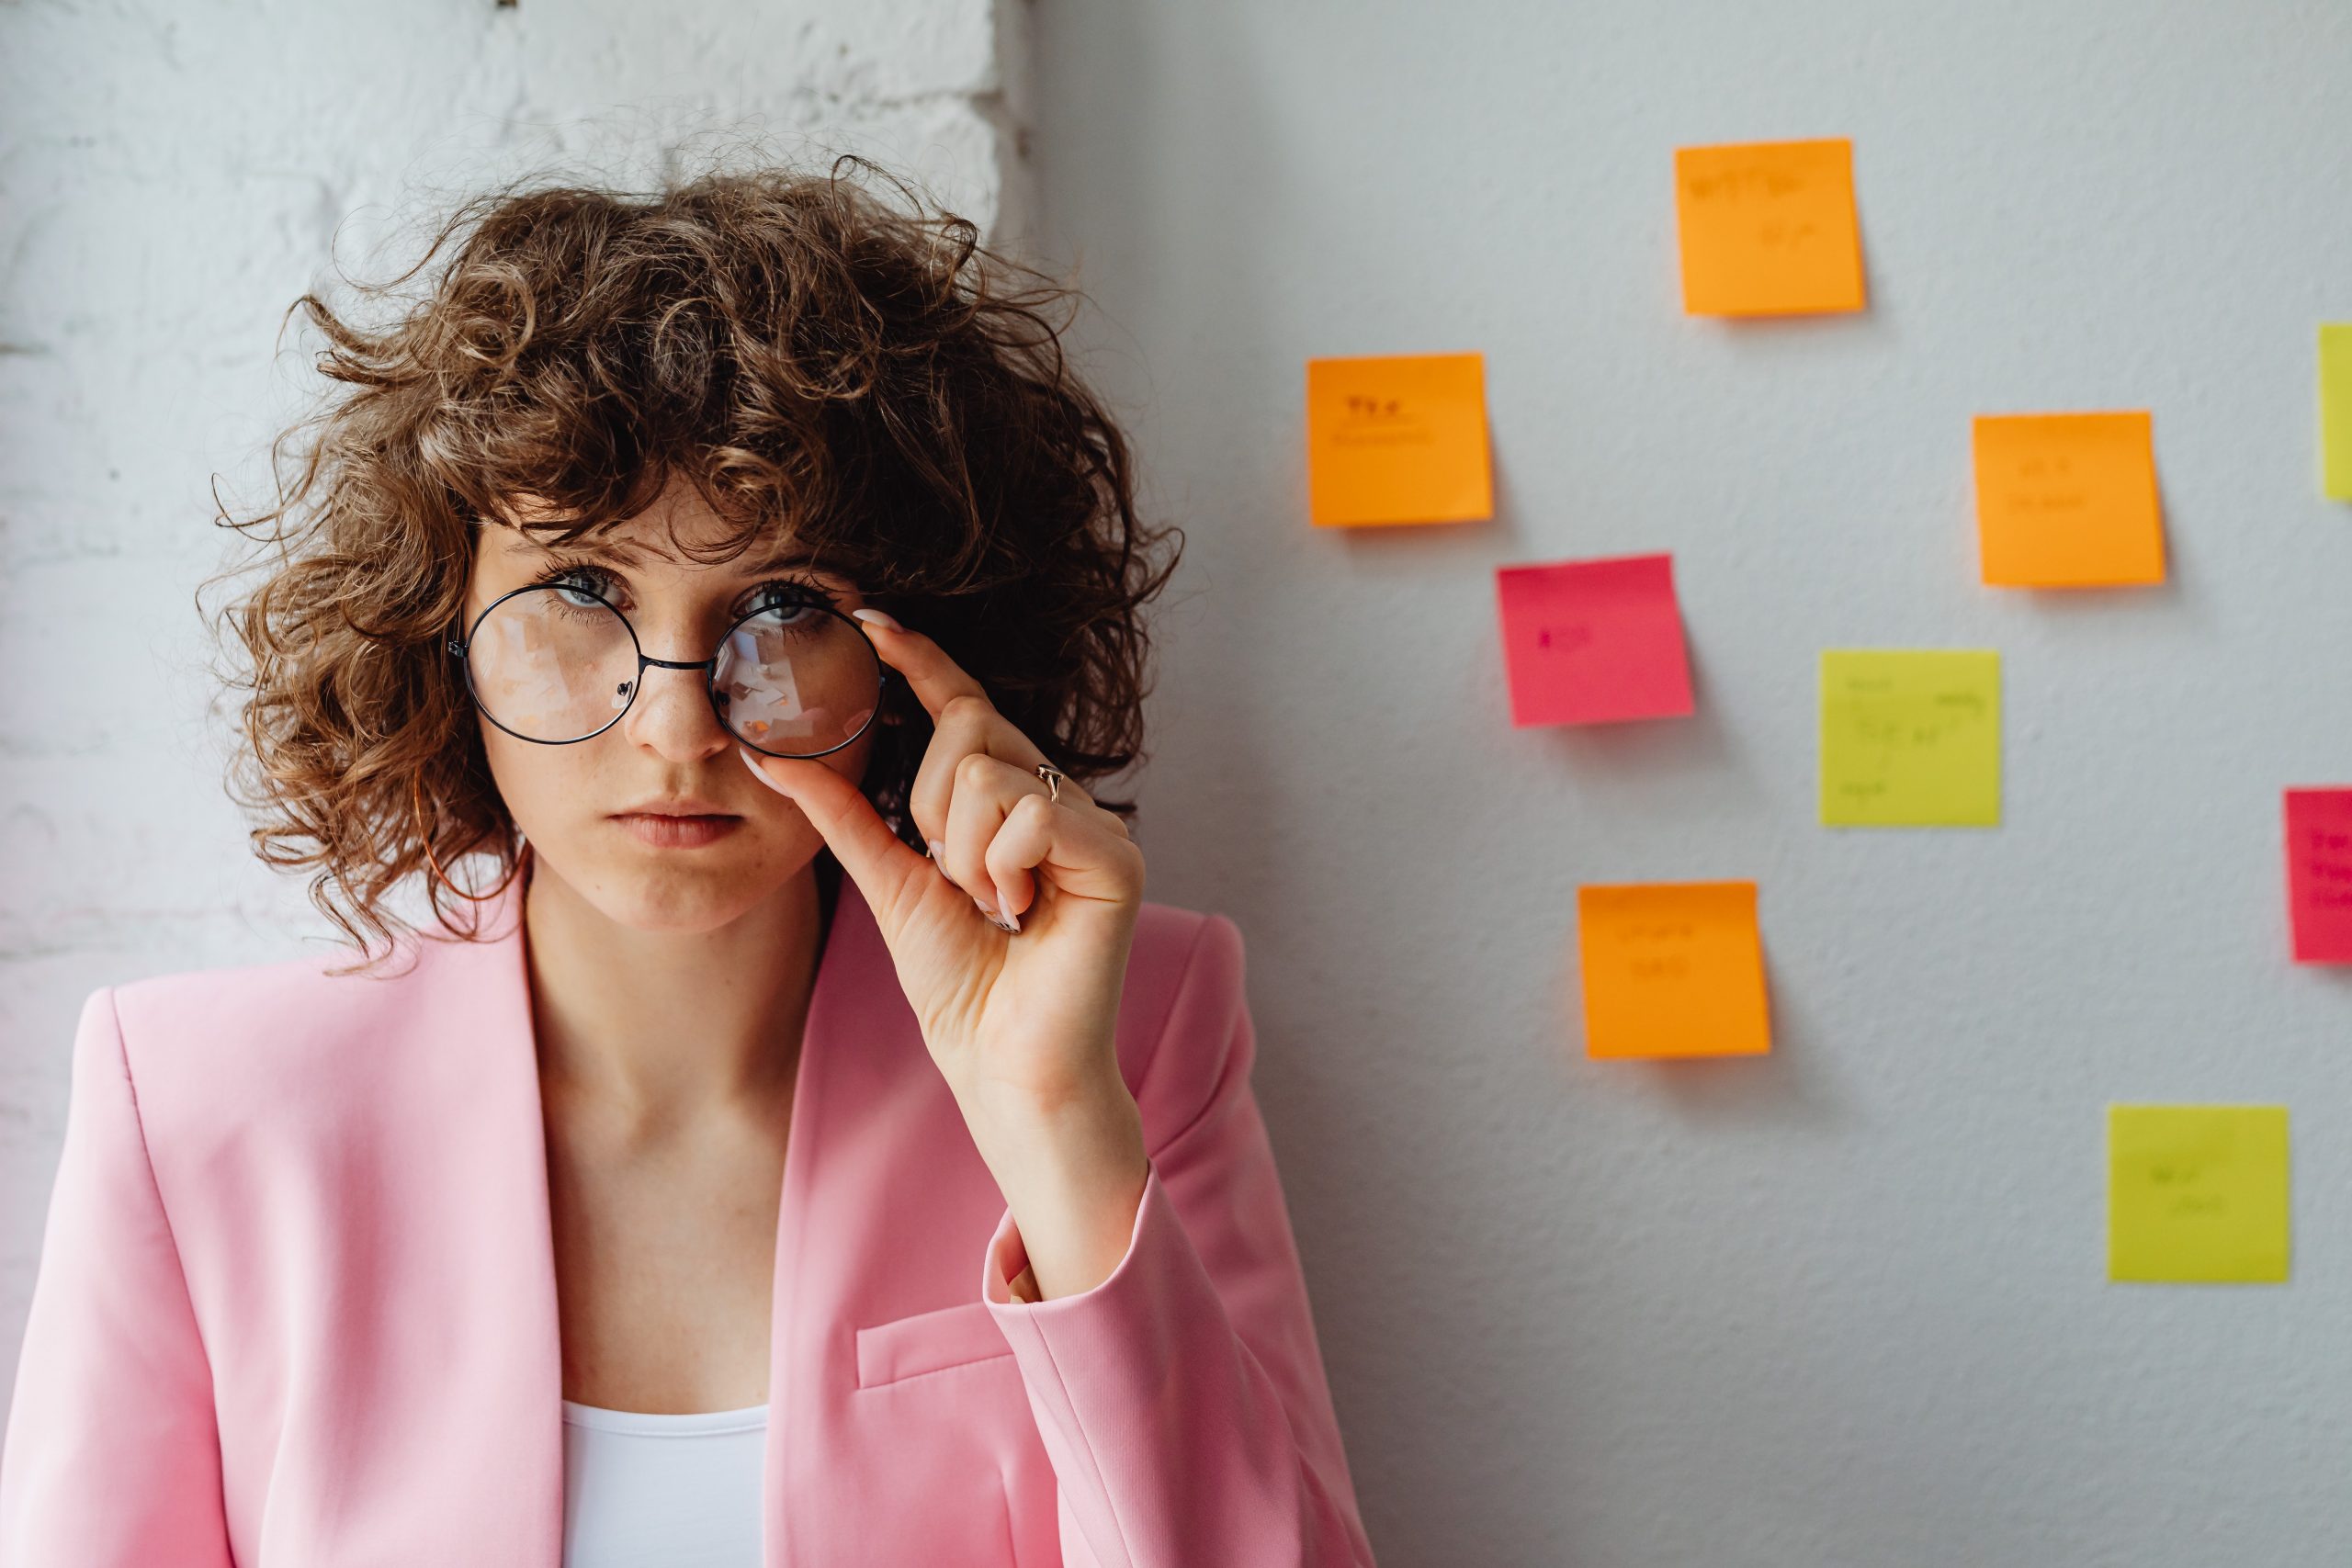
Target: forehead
[
  {"x": 648, "y": 540},
  {"x": 642, "y": 552}
]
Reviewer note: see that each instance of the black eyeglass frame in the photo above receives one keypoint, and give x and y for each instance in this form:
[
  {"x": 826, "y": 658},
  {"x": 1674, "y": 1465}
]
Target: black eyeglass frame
[{"x": 461, "y": 649}]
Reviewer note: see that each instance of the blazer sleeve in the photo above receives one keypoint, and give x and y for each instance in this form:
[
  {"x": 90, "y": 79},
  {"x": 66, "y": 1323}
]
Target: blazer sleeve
[
  {"x": 1182, "y": 1401},
  {"x": 112, "y": 1456}
]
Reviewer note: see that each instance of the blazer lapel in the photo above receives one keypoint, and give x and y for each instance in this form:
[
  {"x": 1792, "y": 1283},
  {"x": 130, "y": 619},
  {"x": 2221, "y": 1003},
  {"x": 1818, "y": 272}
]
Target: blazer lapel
[
  {"x": 860, "y": 1032},
  {"x": 487, "y": 1296},
  {"x": 484, "y": 1298}
]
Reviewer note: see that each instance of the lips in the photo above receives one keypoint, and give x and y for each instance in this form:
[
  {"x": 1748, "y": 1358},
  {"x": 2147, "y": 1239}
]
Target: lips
[
  {"x": 687, "y": 807},
  {"x": 670, "y": 830}
]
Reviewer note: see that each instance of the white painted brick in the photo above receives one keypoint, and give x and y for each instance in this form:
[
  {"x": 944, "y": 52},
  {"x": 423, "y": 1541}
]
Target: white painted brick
[{"x": 172, "y": 177}]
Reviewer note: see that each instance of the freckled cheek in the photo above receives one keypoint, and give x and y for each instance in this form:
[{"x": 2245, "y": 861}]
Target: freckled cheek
[
  {"x": 856, "y": 756},
  {"x": 545, "y": 787},
  {"x": 770, "y": 805}
]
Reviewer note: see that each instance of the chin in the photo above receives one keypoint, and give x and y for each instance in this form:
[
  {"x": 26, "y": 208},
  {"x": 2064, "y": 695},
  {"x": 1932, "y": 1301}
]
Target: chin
[
  {"x": 683, "y": 894},
  {"x": 672, "y": 910}
]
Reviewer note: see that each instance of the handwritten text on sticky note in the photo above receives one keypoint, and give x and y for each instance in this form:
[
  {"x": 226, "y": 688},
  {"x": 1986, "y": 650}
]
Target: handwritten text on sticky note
[
  {"x": 2067, "y": 500},
  {"x": 2319, "y": 875},
  {"x": 1672, "y": 969},
  {"x": 1593, "y": 641},
  {"x": 1769, "y": 228},
  {"x": 2197, "y": 1192},
  {"x": 1910, "y": 737},
  {"x": 1398, "y": 439}
]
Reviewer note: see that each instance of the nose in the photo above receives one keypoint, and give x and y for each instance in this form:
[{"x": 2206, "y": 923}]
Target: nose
[{"x": 672, "y": 715}]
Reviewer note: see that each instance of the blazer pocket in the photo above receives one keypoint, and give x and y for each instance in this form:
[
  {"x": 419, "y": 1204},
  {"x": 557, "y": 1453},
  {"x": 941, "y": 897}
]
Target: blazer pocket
[{"x": 928, "y": 1342}]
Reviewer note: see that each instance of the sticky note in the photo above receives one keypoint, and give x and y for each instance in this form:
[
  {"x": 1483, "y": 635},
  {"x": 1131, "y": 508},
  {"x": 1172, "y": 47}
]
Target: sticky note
[
  {"x": 2336, "y": 410},
  {"x": 2067, "y": 500},
  {"x": 1672, "y": 969},
  {"x": 2319, "y": 875},
  {"x": 1910, "y": 737},
  {"x": 1398, "y": 439},
  {"x": 2197, "y": 1193},
  {"x": 1769, "y": 228},
  {"x": 1593, "y": 641}
]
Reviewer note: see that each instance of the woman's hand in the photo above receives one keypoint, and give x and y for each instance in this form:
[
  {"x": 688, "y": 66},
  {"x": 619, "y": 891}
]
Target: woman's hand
[{"x": 1022, "y": 1023}]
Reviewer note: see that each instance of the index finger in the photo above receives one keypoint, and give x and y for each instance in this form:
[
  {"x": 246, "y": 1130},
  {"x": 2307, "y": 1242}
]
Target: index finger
[
  {"x": 852, "y": 828},
  {"x": 934, "y": 678}
]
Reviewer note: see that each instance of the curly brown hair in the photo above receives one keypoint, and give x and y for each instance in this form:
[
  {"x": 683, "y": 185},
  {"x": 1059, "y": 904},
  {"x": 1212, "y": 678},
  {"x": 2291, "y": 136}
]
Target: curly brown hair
[{"x": 815, "y": 357}]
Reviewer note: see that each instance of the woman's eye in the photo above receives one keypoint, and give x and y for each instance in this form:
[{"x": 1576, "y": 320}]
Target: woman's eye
[
  {"x": 787, "y": 601},
  {"x": 588, "y": 581},
  {"x": 583, "y": 585}
]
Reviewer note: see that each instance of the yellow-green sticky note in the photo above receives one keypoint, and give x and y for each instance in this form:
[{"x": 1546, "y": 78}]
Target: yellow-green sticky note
[
  {"x": 1910, "y": 737},
  {"x": 2336, "y": 410},
  {"x": 2197, "y": 1193}
]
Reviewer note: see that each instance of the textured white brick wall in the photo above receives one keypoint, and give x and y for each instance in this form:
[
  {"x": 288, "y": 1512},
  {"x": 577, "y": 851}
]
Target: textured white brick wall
[{"x": 172, "y": 175}]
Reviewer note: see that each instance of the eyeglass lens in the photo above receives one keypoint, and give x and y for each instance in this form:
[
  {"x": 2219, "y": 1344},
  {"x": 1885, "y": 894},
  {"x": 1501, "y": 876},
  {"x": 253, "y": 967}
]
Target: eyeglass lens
[{"x": 553, "y": 664}]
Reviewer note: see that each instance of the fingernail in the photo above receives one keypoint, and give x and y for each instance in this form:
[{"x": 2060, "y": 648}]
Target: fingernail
[
  {"x": 938, "y": 850},
  {"x": 999, "y": 921},
  {"x": 867, "y": 613},
  {"x": 761, "y": 773}
]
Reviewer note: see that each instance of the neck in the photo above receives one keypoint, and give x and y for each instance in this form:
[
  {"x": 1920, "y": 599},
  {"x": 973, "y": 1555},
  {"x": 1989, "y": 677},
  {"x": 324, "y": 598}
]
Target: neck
[{"x": 655, "y": 1027}]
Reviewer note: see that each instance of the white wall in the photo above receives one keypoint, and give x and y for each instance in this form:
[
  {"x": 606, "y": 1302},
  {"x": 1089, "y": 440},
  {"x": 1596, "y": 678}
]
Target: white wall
[
  {"x": 172, "y": 177},
  {"x": 1845, "y": 1305}
]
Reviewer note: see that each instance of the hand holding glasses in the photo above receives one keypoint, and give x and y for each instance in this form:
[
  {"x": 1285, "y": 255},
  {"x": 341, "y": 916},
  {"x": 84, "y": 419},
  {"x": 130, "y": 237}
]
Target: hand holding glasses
[{"x": 555, "y": 663}]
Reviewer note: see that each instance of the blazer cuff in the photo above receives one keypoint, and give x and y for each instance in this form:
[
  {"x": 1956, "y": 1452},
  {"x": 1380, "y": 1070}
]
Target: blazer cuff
[{"x": 1006, "y": 1258}]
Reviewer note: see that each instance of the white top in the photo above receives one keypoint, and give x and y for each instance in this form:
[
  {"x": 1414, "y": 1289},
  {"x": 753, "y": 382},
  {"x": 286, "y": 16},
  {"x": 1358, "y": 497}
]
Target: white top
[{"x": 663, "y": 1491}]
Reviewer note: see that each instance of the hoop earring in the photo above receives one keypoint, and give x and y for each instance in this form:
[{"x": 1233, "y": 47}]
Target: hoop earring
[{"x": 425, "y": 836}]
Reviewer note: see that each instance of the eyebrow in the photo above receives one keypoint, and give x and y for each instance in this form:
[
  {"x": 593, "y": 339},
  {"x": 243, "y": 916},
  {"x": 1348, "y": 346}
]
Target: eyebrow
[{"x": 622, "y": 553}]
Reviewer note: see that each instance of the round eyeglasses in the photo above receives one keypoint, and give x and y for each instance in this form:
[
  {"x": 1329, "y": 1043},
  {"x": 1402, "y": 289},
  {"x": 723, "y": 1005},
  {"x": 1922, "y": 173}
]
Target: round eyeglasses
[{"x": 555, "y": 663}]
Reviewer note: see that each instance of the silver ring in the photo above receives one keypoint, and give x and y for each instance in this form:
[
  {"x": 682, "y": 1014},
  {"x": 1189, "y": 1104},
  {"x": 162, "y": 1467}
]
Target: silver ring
[{"x": 1052, "y": 777}]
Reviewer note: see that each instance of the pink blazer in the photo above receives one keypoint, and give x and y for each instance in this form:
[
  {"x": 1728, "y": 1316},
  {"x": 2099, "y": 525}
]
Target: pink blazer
[{"x": 296, "y": 1305}]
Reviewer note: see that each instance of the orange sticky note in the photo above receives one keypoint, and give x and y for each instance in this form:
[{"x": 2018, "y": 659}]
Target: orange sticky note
[
  {"x": 2068, "y": 500},
  {"x": 1398, "y": 439},
  {"x": 1769, "y": 228},
  {"x": 1672, "y": 969}
]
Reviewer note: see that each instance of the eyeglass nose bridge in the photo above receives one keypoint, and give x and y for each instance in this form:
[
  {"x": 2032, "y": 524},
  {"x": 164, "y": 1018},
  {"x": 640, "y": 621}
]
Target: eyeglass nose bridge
[
  {"x": 458, "y": 647},
  {"x": 708, "y": 668}
]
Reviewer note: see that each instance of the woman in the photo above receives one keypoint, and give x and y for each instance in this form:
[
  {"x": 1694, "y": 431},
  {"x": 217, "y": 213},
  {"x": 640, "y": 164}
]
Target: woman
[{"x": 745, "y": 573}]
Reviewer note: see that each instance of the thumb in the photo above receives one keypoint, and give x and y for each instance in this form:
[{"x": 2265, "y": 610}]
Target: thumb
[{"x": 853, "y": 829}]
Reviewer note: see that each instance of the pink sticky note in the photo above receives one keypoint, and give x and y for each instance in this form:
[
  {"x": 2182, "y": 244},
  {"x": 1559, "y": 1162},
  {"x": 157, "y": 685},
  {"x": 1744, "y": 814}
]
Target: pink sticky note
[
  {"x": 1593, "y": 641},
  {"x": 2319, "y": 874}
]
